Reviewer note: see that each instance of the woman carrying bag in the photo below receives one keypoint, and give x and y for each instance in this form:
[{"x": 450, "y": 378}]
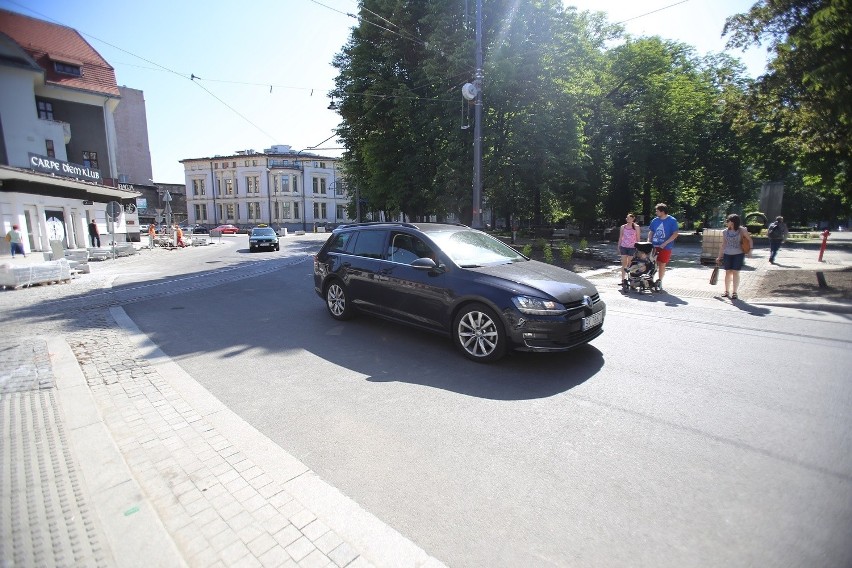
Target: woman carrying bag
[{"x": 736, "y": 243}]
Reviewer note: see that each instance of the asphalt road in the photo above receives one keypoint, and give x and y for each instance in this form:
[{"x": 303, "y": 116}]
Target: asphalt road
[{"x": 691, "y": 433}]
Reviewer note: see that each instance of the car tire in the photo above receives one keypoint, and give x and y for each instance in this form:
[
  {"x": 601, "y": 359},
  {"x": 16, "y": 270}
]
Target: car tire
[
  {"x": 337, "y": 301},
  {"x": 478, "y": 333}
]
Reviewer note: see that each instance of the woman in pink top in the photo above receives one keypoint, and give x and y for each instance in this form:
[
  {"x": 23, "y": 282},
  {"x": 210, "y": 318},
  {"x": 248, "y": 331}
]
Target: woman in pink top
[{"x": 627, "y": 238}]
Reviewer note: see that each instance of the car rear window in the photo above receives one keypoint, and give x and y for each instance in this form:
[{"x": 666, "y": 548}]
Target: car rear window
[{"x": 339, "y": 241}]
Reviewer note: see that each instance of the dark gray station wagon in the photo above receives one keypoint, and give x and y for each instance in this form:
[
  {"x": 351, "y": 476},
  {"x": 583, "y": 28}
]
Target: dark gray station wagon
[{"x": 456, "y": 281}]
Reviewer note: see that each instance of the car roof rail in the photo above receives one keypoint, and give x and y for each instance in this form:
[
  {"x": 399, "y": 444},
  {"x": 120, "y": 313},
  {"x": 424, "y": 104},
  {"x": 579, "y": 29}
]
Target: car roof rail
[
  {"x": 375, "y": 223},
  {"x": 395, "y": 224}
]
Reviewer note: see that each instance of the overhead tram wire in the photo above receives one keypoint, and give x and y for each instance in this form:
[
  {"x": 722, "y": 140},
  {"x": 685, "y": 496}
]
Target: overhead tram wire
[
  {"x": 651, "y": 12},
  {"x": 366, "y": 21}
]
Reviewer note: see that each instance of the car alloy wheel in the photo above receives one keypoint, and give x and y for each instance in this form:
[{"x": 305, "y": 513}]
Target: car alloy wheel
[
  {"x": 337, "y": 301},
  {"x": 479, "y": 334}
]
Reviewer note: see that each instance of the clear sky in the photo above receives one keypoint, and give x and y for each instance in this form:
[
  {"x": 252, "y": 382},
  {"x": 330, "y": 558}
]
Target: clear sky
[{"x": 265, "y": 65}]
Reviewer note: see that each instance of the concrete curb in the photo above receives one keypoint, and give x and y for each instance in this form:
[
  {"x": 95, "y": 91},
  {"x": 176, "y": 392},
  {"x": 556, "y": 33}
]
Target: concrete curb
[
  {"x": 119, "y": 502},
  {"x": 376, "y": 541}
]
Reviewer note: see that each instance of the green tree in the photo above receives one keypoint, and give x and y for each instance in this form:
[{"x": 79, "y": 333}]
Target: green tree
[{"x": 803, "y": 105}]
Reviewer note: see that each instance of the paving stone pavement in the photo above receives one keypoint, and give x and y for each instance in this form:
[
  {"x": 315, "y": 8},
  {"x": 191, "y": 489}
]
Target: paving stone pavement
[
  {"x": 46, "y": 518},
  {"x": 191, "y": 488}
]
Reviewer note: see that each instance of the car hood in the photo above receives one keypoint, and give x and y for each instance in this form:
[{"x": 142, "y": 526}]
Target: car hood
[{"x": 560, "y": 284}]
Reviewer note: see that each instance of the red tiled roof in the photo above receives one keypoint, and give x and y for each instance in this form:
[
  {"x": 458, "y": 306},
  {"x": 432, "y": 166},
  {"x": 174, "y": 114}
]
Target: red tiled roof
[{"x": 47, "y": 42}]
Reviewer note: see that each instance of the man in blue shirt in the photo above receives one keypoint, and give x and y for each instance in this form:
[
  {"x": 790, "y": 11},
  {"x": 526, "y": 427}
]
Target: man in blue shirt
[{"x": 662, "y": 234}]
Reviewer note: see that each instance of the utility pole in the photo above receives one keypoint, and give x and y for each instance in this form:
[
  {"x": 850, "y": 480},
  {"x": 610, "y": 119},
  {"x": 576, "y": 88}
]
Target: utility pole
[{"x": 476, "y": 219}]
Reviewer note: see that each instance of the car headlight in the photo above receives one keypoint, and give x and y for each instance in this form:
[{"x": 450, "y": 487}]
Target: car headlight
[{"x": 537, "y": 306}]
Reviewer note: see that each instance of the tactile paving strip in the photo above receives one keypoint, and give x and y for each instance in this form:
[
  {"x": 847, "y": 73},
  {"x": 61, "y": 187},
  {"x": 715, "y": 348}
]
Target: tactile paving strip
[{"x": 45, "y": 519}]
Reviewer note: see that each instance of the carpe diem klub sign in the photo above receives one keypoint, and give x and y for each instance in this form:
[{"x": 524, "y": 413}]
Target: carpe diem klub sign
[{"x": 48, "y": 165}]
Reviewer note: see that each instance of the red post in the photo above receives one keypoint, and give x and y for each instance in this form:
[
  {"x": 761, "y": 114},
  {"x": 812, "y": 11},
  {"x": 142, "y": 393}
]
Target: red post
[{"x": 825, "y": 234}]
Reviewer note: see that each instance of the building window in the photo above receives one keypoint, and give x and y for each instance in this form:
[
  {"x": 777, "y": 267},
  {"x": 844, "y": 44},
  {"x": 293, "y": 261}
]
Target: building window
[
  {"x": 245, "y": 163},
  {"x": 340, "y": 188},
  {"x": 295, "y": 185},
  {"x": 216, "y": 166},
  {"x": 230, "y": 212},
  {"x": 66, "y": 69},
  {"x": 296, "y": 211},
  {"x": 252, "y": 184},
  {"x": 45, "y": 110},
  {"x": 229, "y": 187},
  {"x": 198, "y": 187},
  {"x": 254, "y": 210},
  {"x": 200, "y": 213},
  {"x": 51, "y": 152},
  {"x": 322, "y": 165},
  {"x": 275, "y": 184},
  {"x": 90, "y": 159},
  {"x": 277, "y": 211},
  {"x": 254, "y": 162},
  {"x": 319, "y": 185},
  {"x": 320, "y": 211},
  {"x": 341, "y": 212}
]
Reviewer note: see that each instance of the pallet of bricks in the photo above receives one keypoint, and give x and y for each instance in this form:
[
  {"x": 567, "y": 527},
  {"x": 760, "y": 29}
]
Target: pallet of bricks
[
  {"x": 711, "y": 241},
  {"x": 45, "y": 273}
]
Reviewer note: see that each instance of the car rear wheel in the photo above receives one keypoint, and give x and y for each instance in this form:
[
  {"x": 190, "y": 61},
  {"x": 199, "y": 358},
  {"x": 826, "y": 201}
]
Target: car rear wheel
[
  {"x": 337, "y": 301},
  {"x": 479, "y": 334}
]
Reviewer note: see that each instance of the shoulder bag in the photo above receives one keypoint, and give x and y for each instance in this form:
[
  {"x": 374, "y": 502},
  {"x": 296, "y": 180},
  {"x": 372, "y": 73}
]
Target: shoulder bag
[{"x": 745, "y": 243}]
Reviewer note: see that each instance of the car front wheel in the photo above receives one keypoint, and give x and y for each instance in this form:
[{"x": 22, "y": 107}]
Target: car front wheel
[
  {"x": 478, "y": 333},
  {"x": 337, "y": 301}
]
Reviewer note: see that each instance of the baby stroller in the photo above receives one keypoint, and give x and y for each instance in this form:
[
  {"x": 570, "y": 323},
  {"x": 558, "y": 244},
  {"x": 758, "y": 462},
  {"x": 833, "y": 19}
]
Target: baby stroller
[{"x": 643, "y": 267}]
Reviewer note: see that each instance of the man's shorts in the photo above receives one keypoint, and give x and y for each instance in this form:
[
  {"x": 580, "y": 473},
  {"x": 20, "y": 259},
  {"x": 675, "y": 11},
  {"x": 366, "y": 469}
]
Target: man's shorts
[
  {"x": 624, "y": 251},
  {"x": 663, "y": 255}
]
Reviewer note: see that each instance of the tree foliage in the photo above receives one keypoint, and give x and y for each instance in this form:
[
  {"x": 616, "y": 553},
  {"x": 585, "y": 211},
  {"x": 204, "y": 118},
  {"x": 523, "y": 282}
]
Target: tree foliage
[
  {"x": 802, "y": 108},
  {"x": 583, "y": 122}
]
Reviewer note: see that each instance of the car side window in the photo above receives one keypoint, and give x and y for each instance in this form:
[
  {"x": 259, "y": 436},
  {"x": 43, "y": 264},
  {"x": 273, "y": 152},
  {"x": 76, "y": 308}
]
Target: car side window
[
  {"x": 370, "y": 244},
  {"x": 406, "y": 249}
]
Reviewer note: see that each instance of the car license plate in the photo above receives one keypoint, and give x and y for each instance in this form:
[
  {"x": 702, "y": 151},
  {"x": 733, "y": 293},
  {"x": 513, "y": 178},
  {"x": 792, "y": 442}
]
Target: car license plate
[{"x": 593, "y": 320}]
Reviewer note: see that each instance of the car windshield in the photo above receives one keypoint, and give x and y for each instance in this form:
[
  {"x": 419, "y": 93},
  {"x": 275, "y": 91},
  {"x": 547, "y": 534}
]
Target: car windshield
[
  {"x": 263, "y": 233},
  {"x": 469, "y": 248}
]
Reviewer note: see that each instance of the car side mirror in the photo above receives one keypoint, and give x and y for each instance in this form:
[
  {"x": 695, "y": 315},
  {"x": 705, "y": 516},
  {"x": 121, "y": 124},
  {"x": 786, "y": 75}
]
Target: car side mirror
[{"x": 425, "y": 263}]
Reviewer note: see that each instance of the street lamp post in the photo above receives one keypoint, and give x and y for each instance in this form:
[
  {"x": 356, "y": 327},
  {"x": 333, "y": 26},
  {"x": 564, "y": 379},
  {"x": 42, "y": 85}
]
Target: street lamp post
[{"x": 476, "y": 219}]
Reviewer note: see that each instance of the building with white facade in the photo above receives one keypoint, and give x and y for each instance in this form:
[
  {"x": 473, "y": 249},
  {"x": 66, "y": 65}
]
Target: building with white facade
[
  {"x": 278, "y": 187},
  {"x": 58, "y": 140}
]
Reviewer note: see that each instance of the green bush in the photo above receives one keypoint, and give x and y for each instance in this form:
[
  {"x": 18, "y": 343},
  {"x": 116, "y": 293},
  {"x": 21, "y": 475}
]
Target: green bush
[
  {"x": 548, "y": 254},
  {"x": 527, "y": 250},
  {"x": 567, "y": 252},
  {"x": 584, "y": 244},
  {"x": 541, "y": 243}
]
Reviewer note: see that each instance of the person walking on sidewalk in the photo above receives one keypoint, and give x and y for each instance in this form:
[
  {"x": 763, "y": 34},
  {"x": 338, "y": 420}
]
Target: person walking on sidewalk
[
  {"x": 777, "y": 233},
  {"x": 731, "y": 255},
  {"x": 152, "y": 233},
  {"x": 662, "y": 234},
  {"x": 627, "y": 237},
  {"x": 94, "y": 235},
  {"x": 16, "y": 241}
]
